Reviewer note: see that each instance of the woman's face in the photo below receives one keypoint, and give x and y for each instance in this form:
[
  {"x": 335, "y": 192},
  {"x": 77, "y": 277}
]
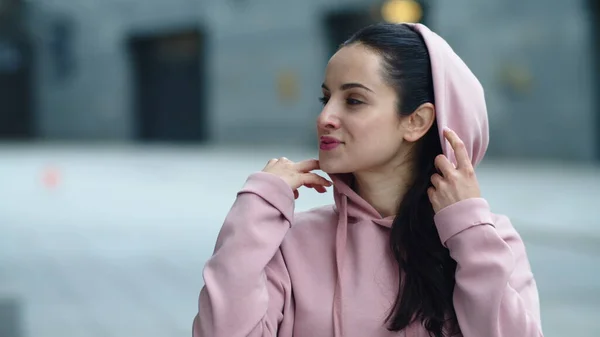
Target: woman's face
[{"x": 359, "y": 127}]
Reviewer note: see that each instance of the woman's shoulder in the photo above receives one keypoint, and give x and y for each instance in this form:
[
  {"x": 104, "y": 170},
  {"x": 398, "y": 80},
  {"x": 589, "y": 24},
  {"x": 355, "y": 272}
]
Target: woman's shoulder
[
  {"x": 313, "y": 223},
  {"x": 315, "y": 217}
]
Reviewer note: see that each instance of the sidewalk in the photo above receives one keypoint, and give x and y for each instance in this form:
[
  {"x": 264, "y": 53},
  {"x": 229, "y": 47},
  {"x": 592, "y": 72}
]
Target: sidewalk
[{"x": 551, "y": 199}]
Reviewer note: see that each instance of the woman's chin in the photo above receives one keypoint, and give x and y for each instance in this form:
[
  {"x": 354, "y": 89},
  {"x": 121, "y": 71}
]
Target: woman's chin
[{"x": 331, "y": 166}]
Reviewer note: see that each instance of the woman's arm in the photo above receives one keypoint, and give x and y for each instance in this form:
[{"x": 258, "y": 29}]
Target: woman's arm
[
  {"x": 247, "y": 289},
  {"x": 495, "y": 293}
]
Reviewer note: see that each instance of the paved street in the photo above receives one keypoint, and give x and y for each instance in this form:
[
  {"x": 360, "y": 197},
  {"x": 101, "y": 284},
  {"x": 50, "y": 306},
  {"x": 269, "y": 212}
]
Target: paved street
[{"x": 110, "y": 241}]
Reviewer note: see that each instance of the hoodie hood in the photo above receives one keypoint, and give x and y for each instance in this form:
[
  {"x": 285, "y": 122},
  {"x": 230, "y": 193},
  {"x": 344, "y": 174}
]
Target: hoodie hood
[
  {"x": 459, "y": 98},
  {"x": 460, "y": 106}
]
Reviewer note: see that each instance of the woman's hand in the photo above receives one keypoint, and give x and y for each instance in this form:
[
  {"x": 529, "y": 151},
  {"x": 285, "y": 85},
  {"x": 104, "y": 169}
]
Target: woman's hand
[
  {"x": 298, "y": 174},
  {"x": 454, "y": 183}
]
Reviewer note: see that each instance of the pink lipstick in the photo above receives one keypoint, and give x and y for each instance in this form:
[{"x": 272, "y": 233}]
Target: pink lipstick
[{"x": 329, "y": 143}]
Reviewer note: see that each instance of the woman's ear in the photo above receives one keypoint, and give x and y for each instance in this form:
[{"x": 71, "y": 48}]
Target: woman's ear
[{"x": 419, "y": 122}]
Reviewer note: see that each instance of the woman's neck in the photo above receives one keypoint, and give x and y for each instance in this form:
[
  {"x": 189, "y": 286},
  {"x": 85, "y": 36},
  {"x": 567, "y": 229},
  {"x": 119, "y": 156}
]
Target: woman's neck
[{"x": 384, "y": 189}]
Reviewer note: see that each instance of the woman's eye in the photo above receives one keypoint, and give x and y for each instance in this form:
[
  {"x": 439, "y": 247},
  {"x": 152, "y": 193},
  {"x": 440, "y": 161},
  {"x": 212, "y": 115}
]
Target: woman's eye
[
  {"x": 352, "y": 101},
  {"x": 349, "y": 101}
]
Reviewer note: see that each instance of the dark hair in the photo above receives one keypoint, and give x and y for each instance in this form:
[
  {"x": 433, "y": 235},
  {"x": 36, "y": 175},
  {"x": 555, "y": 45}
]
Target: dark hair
[{"x": 427, "y": 281}]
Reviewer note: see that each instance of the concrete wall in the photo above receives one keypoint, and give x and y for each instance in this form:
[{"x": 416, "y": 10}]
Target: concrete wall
[
  {"x": 94, "y": 101},
  {"x": 248, "y": 45},
  {"x": 533, "y": 63}
]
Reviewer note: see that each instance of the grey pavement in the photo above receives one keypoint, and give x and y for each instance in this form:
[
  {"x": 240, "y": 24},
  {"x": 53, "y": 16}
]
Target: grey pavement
[{"x": 116, "y": 247}]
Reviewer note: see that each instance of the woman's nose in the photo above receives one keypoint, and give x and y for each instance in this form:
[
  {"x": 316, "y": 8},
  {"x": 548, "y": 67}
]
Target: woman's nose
[{"x": 328, "y": 120}]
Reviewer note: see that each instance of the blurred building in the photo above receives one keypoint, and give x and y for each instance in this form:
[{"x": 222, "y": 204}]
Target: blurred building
[{"x": 250, "y": 71}]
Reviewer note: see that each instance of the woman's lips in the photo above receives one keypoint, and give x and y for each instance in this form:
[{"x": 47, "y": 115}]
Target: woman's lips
[{"x": 329, "y": 143}]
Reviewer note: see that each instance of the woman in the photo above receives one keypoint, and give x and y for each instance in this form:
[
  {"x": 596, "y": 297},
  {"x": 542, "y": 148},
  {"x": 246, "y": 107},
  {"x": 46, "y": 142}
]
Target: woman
[{"x": 409, "y": 248}]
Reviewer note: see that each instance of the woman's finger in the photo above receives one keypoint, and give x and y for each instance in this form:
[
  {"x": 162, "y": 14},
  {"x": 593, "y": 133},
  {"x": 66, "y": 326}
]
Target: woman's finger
[
  {"x": 431, "y": 193},
  {"x": 271, "y": 162},
  {"x": 436, "y": 180},
  {"x": 307, "y": 165},
  {"x": 320, "y": 189},
  {"x": 444, "y": 166},
  {"x": 315, "y": 179},
  {"x": 460, "y": 150}
]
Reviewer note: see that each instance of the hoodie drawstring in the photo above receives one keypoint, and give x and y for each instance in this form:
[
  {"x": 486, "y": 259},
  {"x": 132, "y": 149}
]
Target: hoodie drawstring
[{"x": 341, "y": 237}]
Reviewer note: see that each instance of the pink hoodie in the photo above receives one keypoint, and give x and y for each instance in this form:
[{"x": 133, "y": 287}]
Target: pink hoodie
[{"x": 328, "y": 272}]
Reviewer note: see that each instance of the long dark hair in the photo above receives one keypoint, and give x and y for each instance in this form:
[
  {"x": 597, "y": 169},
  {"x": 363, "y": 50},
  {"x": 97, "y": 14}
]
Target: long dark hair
[{"x": 427, "y": 271}]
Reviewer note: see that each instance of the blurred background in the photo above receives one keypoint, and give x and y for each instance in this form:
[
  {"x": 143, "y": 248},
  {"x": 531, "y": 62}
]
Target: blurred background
[{"x": 128, "y": 126}]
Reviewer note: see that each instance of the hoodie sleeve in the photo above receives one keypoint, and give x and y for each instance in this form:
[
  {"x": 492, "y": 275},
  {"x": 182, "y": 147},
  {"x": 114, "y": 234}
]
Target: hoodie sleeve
[
  {"x": 247, "y": 289},
  {"x": 495, "y": 293}
]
